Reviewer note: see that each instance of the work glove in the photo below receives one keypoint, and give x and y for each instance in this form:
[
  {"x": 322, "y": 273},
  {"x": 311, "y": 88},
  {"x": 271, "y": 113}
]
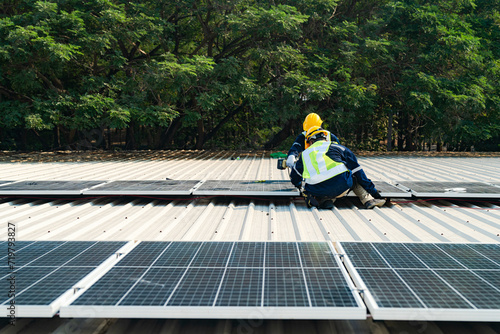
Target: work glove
[{"x": 290, "y": 161}]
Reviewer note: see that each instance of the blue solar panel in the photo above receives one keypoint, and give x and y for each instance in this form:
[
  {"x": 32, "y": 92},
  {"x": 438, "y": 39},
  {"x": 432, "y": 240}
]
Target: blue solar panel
[
  {"x": 204, "y": 279},
  {"x": 45, "y": 270},
  {"x": 442, "y": 281}
]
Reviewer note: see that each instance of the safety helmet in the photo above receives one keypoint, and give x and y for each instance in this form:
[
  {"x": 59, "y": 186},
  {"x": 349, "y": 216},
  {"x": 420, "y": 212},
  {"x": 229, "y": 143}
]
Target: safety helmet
[
  {"x": 311, "y": 120},
  {"x": 315, "y": 133}
]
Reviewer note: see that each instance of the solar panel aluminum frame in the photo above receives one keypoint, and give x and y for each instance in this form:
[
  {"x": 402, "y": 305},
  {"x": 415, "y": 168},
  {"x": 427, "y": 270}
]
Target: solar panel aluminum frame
[
  {"x": 222, "y": 312},
  {"x": 413, "y": 314},
  {"x": 97, "y": 190},
  {"x": 49, "y": 310}
]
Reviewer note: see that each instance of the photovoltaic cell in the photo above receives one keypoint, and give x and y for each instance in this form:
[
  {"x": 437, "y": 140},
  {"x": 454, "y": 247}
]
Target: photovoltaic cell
[
  {"x": 154, "y": 288},
  {"x": 451, "y": 189},
  {"x": 482, "y": 295},
  {"x": 110, "y": 288},
  {"x": 198, "y": 288},
  {"x": 317, "y": 255},
  {"x": 388, "y": 289},
  {"x": 325, "y": 294},
  {"x": 434, "y": 292},
  {"x": 491, "y": 251},
  {"x": 398, "y": 256},
  {"x": 364, "y": 255},
  {"x": 468, "y": 257},
  {"x": 241, "y": 287},
  {"x": 433, "y": 256},
  {"x": 247, "y": 254},
  {"x": 47, "y": 270},
  {"x": 223, "y": 279},
  {"x": 144, "y": 187},
  {"x": 47, "y": 187},
  {"x": 442, "y": 281},
  {"x": 282, "y": 254},
  {"x": 247, "y": 187},
  {"x": 285, "y": 287}
]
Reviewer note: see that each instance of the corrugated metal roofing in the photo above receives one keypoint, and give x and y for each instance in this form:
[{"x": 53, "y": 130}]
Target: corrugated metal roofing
[
  {"x": 249, "y": 217},
  {"x": 244, "y": 218}
]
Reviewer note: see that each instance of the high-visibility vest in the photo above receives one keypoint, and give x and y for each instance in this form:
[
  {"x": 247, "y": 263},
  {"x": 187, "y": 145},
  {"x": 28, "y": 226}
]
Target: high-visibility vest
[{"x": 318, "y": 167}]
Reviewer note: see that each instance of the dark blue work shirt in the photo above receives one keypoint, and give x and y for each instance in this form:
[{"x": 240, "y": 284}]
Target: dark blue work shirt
[
  {"x": 336, "y": 185},
  {"x": 299, "y": 144}
]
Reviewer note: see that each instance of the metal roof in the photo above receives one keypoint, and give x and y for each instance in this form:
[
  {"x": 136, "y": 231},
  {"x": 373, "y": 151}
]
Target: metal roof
[{"x": 247, "y": 218}]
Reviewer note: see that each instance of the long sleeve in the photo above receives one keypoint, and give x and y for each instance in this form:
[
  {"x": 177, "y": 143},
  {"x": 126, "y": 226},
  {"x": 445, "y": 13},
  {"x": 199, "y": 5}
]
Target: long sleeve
[{"x": 352, "y": 163}]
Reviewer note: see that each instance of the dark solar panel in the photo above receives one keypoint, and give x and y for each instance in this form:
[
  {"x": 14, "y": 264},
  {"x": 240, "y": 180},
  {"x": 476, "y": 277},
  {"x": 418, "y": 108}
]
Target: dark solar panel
[
  {"x": 204, "y": 279},
  {"x": 452, "y": 189},
  {"x": 442, "y": 281},
  {"x": 145, "y": 187},
  {"x": 46, "y": 270},
  {"x": 47, "y": 187},
  {"x": 247, "y": 187}
]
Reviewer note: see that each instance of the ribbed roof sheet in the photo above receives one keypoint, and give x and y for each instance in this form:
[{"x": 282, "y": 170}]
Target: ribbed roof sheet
[{"x": 248, "y": 217}]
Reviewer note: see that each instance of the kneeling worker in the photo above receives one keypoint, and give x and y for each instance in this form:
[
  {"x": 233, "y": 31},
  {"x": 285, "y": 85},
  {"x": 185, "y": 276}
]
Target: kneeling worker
[{"x": 330, "y": 170}]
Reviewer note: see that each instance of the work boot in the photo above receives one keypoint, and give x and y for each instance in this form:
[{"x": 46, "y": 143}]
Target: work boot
[
  {"x": 326, "y": 204},
  {"x": 374, "y": 202}
]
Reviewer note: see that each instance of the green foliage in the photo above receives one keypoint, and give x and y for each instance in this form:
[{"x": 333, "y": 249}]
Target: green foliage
[{"x": 244, "y": 73}]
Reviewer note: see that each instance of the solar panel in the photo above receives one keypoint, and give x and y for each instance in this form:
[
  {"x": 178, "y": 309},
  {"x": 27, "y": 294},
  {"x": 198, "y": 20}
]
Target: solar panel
[
  {"x": 247, "y": 188},
  {"x": 144, "y": 187},
  {"x": 387, "y": 190},
  {"x": 424, "y": 281},
  {"x": 302, "y": 280},
  {"x": 45, "y": 273},
  {"x": 451, "y": 189},
  {"x": 2, "y": 182},
  {"x": 47, "y": 187}
]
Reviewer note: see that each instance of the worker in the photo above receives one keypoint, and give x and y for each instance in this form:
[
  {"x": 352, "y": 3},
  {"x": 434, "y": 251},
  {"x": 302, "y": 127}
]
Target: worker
[
  {"x": 300, "y": 144},
  {"x": 330, "y": 170}
]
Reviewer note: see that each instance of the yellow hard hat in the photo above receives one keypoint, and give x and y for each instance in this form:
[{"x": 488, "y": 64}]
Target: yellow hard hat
[
  {"x": 311, "y": 120},
  {"x": 315, "y": 132}
]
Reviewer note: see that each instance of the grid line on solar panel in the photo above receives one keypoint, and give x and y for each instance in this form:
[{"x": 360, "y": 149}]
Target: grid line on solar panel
[
  {"x": 478, "y": 291},
  {"x": 247, "y": 255},
  {"x": 282, "y": 255},
  {"x": 62, "y": 254},
  {"x": 491, "y": 276},
  {"x": 433, "y": 257},
  {"x": 316, "y": 254},
  {"x": 212, "y": 254},
  {"x": 328, "y": 288},
  {"x": 179, "y": 254},
  {"x": 397, "y": 255},
  {"x": 143, "y": 254},
  {"x": 468, "y": 257},
  {"x": 491, "y": 251},
  {"x": 198, "y": 287},
  {"x": 154, "y": 288},
  {"x": 241, "y": 287},
  {"x": 285, "y": 287},
  {"x": 387, "y": 289},
  {"x": 363, "y": 254},
  {"x": 41, "y": 284},
  {"x": 432, "y": 291},
  {"x": 51, "y": 286},
  {"x": 110, "y": 288},
  {"x": 34, "y": 251}
]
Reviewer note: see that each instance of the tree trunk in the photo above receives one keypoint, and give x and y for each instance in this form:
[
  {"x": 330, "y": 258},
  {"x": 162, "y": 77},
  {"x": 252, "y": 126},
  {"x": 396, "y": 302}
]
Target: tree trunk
[{"x": 389, "y": 132}]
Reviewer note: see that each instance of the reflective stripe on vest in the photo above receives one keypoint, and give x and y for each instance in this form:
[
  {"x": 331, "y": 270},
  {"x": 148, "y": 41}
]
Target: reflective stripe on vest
[{"x": 318, "y": 167}]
